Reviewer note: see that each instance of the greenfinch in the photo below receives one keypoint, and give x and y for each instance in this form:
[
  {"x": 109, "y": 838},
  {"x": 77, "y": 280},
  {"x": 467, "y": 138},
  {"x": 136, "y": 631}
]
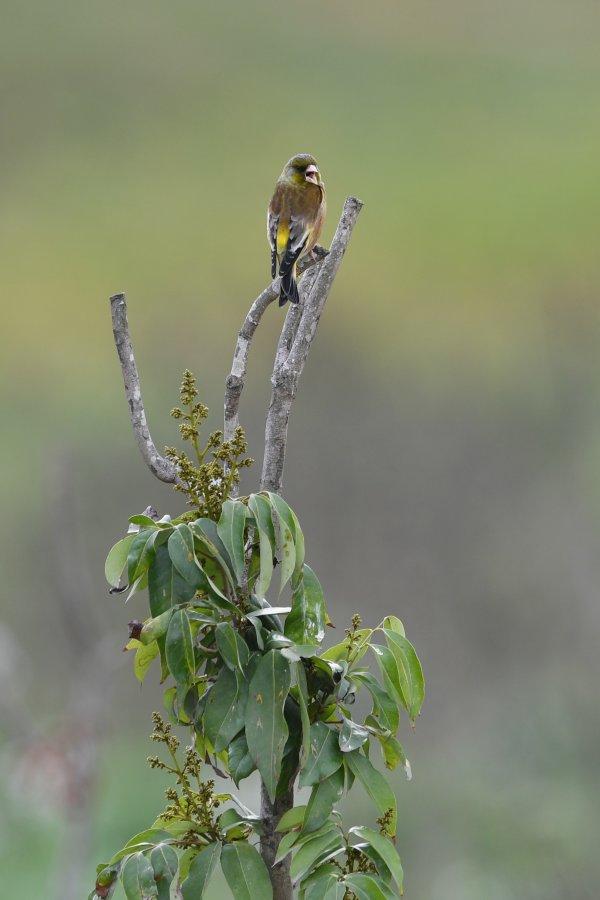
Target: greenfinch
[{"x": 294, "y": 220}]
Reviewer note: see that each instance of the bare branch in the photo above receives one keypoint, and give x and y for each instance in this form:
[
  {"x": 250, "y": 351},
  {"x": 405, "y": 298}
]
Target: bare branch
[
  {"x": 235, "y": 381},
  {"x": 288, "y": 368},
  {"x": 162, "y": 468},
  {"x": 292, "y": 320}
]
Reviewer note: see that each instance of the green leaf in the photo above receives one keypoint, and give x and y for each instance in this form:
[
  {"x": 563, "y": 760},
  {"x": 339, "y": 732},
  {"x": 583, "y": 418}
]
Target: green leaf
[
  {"x": 306, "y": 622},
  {"x": 312, "y": 852},
  {"x": 151, "y": 836},
  {"x": 384, "y": 706},
  {"x": 232, "y": 647},
  {"x": 183, "y": 555},
  {"x": 117, "y": 560},
  {"x": 412, "y": 683},
  {"x": 352, "y": 652},
  {"x": 270, "y": 619},
  {"x": 240, "y": 763},
  {"x": 179, "y": 648},
  {"x": 230, "y": 819},
  {"x": 144, "y": 655},
  {"x": 266, "y": 536},
  {"x": 352, "y": 736},
  {"x": 380, "y": 866},
  {"x": 165, "y": 862},
  {"x": 323, "y": 884},
  {"x": 141, "y": 553},
  {"x": 175, "y": 827},
  {"x": 185, "y": 861},
  {"x": 384, "y": 848},
  {"x": 284, "y": 544},
  {"x": 269, "y": 612},
  {"x": 287, "y": 514},
  {"x": 324, "y": 756},
  {"x": 292, "y": 818},
  {"x": 291, "y": 751},
  {"x": 296, "y": 840},
  {"x": 299, "y": 545},
  {"x": 303, "y": 704},
  {"x": 393, "y": 753},
  {"x": 375, "y": 785},
  {"x": 201, "y": 869},
  {"x": 323, "y": 796},
  {"x": 166, "y": 587},
  {"x": 143, "y": 520},
  {"x": 230, "y": 529},
  {"x": 266, "y": 728},
  {"x": 155, "y": 628},
  {"x": 225, "y": 708},
  {"x": 245, "y": 872},
  {"x": 285, "y": 846},
  {"x": 137, "y": 878},
  {"x": 393, "y": 623},
  {"x": 368, "y": 887},
  {"x": 205, "y": 532},
  {"x": 145, "y": 840},
  {"x": 389, "y": 672},
  {"x": 236, "y": 825},
  {"x": 242, "y": 807}
]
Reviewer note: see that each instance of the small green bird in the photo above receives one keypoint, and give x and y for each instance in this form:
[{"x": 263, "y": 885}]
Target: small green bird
[{"x": 294, "y": 220}]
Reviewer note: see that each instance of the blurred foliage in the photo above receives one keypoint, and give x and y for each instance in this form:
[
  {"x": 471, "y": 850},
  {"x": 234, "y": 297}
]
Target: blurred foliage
[{"x": 140, "y": 144}]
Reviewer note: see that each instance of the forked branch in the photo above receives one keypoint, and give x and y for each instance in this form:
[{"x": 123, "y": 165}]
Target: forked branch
[{"x": 236, "y": 379}]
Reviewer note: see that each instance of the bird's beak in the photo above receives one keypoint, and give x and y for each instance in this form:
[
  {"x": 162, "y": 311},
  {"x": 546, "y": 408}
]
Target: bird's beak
[{"x": 312, "y": 174}]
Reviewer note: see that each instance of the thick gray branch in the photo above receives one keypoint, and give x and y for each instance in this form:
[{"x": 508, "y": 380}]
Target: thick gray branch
[
  {"x": 292, "y": 319},
  {"x": 235, "y": 381},
  {"x": 298, "y": 336},
  {"x": 158, "y": 465}
]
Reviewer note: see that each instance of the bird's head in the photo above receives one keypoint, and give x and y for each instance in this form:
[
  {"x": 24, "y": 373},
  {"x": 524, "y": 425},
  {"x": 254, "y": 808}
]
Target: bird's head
[{"x": 302, "y": 167}]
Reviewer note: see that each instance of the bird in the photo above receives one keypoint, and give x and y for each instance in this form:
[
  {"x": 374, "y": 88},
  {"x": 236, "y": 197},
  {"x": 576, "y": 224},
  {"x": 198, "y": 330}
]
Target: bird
[{"x": 294, "y": 220}]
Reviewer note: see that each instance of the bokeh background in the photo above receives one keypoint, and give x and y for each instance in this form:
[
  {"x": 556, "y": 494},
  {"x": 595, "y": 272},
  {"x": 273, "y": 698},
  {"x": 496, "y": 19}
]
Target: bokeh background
[{"x": 444, "y": 450}]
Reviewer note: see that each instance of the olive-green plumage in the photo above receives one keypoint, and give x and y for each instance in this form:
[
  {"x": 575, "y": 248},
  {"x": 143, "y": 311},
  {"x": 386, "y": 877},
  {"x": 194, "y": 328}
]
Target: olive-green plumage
[{"x": 294, "y": 220}]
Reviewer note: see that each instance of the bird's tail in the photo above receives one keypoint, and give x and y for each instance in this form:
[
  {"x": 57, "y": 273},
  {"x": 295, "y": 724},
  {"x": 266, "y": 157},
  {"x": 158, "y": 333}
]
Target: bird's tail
[{"x": 289, "y": 287}]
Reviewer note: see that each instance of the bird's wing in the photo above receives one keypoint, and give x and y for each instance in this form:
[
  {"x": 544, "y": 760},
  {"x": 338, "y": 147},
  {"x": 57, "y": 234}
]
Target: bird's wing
[
  {"x": 298, "y": 234},
  {"x": 272, "y": 223}
]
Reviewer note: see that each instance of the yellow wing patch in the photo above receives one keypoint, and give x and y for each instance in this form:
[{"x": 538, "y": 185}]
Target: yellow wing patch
[{"x": 283, "y": 234}]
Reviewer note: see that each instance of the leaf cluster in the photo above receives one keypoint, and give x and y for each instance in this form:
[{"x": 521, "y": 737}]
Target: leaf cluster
[
  {"x": 184, "y": 844},
  {"x": 248, "y": 677}
]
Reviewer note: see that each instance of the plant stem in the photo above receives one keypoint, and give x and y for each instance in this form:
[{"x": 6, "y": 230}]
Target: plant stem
[{"x": 269, "y": 842}]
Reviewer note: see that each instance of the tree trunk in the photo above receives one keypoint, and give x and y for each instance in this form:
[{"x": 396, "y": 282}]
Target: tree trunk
[{"x": 269, "y": 842}]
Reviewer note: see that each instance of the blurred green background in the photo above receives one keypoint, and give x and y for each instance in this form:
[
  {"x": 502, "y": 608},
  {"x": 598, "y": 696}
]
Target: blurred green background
[{"x": 445, "y": 444}]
